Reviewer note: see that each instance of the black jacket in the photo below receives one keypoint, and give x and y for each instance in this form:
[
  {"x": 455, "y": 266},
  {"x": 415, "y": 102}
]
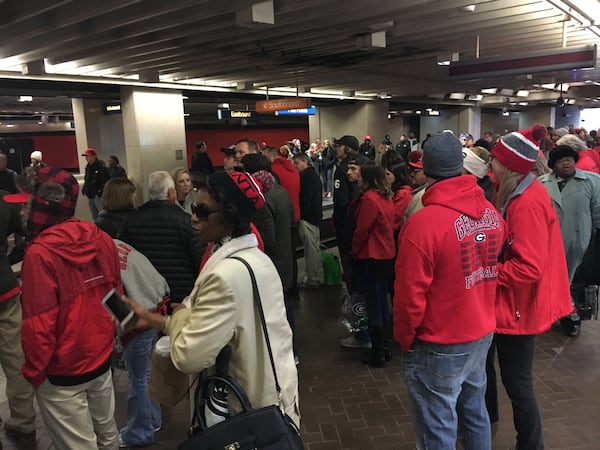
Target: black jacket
[
  {"x": 367, "y": 150},
  {"x": 201, "y": 164},
  {"x": 403, "y": 148},
  {"x": 96, "y": 176},
  {"x": 7, "y": 181},
  {"x": 111, "y": 221},
  {"x": 9, "y": 222},
  {"x": 311, "y": 197},
  {"x": 328, "y": 158},
  {"x": 117, "y": 172},
  {"x": 162, "y": 231}
]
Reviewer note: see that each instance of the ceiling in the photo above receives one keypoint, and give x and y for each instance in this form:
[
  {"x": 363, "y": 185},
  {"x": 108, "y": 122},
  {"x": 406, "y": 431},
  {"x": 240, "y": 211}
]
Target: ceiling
[{"x": 318, "y": 48}]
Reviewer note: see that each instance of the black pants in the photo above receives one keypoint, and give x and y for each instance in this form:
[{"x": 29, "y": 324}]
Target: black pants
[
  {"x": 491, "y": 391},
  {"x": 515, "y": 357}
]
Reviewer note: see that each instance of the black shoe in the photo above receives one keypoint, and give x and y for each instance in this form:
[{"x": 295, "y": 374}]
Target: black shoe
[
  {"x": 373, "y": 359},
  {"x": 18, "y": 434},
  {"x": 574, "y": 331},
  {"x": 572, "y": 328}
]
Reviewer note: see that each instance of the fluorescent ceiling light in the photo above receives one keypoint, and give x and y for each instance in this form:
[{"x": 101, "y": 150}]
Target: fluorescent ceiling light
[
  {"x": 556, "y": 86},
  {"x": 381, "y": 96},
  {"x": 443, "y": 63},
  {"x": 25, "y": 98},
  {"x": 522, "y": 93},
  {"x": 457, "y": 96},
  {"x": 475, "y": 97},
  {"x": 419, "y": 112},
  {"x": 507, "y": 92},
  {"x": 523, "y": 103},
  {"x": 490, "y": 91}
]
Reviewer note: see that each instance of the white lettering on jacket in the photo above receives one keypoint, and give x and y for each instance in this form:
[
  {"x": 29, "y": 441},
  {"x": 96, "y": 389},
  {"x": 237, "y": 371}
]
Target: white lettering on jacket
[{"x": 466, "y": 226}]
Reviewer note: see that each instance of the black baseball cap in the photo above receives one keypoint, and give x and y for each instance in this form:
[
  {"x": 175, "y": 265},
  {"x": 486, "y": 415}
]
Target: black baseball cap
[
  {"x": 348, "y": 141},
  {"x": 229, "y": 151}
]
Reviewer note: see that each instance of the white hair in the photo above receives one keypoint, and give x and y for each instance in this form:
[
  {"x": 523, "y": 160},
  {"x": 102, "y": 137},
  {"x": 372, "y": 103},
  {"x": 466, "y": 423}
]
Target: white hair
[
  {"x": 572, "y": 141},
  {"x": 159, "y": 184}
]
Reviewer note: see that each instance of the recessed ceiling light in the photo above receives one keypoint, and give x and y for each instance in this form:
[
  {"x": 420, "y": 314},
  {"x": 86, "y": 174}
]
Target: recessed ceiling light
[
  {"x": 522, "y": 93},
  {"x": 507, "y": 92},
  {"x": 457, "y": 96},
  {"x": 490, "y": 91}
]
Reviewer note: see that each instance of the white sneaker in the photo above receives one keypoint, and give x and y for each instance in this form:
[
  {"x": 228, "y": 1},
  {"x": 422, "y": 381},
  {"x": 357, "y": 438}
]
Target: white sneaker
[{"x": 352, "y": 342}]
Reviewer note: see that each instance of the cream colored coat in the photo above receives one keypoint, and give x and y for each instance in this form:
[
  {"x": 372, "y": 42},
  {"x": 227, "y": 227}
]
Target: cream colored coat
[{"x": 220, "y": 311}]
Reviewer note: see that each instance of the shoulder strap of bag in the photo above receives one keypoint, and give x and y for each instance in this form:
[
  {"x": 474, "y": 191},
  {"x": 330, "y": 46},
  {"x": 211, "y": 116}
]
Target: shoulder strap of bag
[{"x": 261, "y": 313}]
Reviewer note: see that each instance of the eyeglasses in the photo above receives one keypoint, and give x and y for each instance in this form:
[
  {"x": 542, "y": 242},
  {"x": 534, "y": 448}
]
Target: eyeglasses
[{"x": 202, "y": 212}]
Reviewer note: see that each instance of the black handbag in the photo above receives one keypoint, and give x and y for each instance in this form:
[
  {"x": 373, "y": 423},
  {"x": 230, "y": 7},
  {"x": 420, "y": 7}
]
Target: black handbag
[{"x": 267, "y": 428}]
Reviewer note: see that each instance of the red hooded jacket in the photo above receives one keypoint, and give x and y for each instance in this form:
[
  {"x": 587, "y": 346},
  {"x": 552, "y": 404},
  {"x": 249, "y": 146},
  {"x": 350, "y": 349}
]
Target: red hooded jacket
[
  {"x": 446, "y": 269},
  {"x": 67, "y": 335},
  {"x": 289, "y": 178},
  {"x": 374, "y": 231},
  {"x": 533, "y": 282},
  {"x": 589, "y": 160},
  {"x": 402, "y": 198}
]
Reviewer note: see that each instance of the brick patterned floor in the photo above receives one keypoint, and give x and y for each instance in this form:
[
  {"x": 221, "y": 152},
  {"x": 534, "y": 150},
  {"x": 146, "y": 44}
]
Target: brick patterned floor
[{"x": 346, "y": 405}]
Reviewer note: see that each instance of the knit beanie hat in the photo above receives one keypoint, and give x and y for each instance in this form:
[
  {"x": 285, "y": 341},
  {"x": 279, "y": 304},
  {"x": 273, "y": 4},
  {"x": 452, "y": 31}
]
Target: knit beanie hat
[
  {"x": 474, "y": 164},
  {"x": 518, "y": 150},
  {"x": 442, "y": 156},
  {"x": 561, "y": 151},
  {"x": 240, "y": 190},
  {"x": 37, "y": 155}
]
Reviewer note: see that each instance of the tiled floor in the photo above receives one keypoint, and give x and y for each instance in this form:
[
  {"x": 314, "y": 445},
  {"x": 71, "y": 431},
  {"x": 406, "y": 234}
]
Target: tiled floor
[{"x": 346, "y": 405}]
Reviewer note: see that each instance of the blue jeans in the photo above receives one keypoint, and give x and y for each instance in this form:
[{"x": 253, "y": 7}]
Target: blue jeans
[
  {"x": 95, "y": 205},
  {"x": 446, "y": 382},
  {"x": 143, "y": 414}
]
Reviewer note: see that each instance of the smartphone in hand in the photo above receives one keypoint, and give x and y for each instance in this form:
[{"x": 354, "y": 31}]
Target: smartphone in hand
[{"x": 117, "y": 308}]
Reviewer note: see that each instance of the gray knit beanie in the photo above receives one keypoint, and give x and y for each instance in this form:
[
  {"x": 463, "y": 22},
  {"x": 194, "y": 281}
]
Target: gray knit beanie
[{"x": 442, "y": 156}]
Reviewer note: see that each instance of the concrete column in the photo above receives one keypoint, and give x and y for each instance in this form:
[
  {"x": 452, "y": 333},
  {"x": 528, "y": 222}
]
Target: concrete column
[
  {"x": 358, "y": 119},
  {"x": 93, "y": 128},
  {"x": 466, "y": 120},
  {"x": 100, "y": 131},
  {"x": 469, "y": 121},
  {"x": 543, "y": 114},
  {"x": 154, "y": 132}
]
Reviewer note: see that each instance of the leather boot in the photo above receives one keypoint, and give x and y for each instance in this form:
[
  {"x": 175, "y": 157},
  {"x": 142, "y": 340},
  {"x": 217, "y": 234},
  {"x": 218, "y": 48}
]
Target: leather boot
[
  {"x": 376, "y": 357},
  {"x": 387, "y": 341}
]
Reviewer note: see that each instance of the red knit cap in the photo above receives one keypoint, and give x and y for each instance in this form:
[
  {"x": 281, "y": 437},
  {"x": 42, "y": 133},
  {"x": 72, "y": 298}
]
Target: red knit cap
[{"x": 518, "y": 150}]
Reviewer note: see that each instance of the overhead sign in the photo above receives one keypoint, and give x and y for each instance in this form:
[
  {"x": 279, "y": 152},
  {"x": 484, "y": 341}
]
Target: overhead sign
[
  {"x": 281, "y": 104},
  {"x": 112, "y": 108},
  {"x": 298, "y": 112},
  {"x": 225, "y": 114}
]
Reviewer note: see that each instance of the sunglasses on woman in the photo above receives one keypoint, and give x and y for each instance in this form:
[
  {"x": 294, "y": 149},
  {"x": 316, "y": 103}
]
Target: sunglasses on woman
[{"x": 202, "y": 212}]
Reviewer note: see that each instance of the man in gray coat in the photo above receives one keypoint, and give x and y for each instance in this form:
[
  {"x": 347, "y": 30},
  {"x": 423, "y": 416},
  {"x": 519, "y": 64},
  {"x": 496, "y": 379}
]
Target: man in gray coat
[{"x": 576, "y": 197}]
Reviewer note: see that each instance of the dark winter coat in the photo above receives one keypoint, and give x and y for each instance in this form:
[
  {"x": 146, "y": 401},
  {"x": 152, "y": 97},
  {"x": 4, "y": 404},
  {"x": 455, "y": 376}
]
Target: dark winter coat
[{"x": 162, "y": 231}]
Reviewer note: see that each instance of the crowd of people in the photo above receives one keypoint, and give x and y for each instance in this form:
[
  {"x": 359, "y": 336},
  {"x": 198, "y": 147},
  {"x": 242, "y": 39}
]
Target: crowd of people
[{"x": 452, "y": 243}]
